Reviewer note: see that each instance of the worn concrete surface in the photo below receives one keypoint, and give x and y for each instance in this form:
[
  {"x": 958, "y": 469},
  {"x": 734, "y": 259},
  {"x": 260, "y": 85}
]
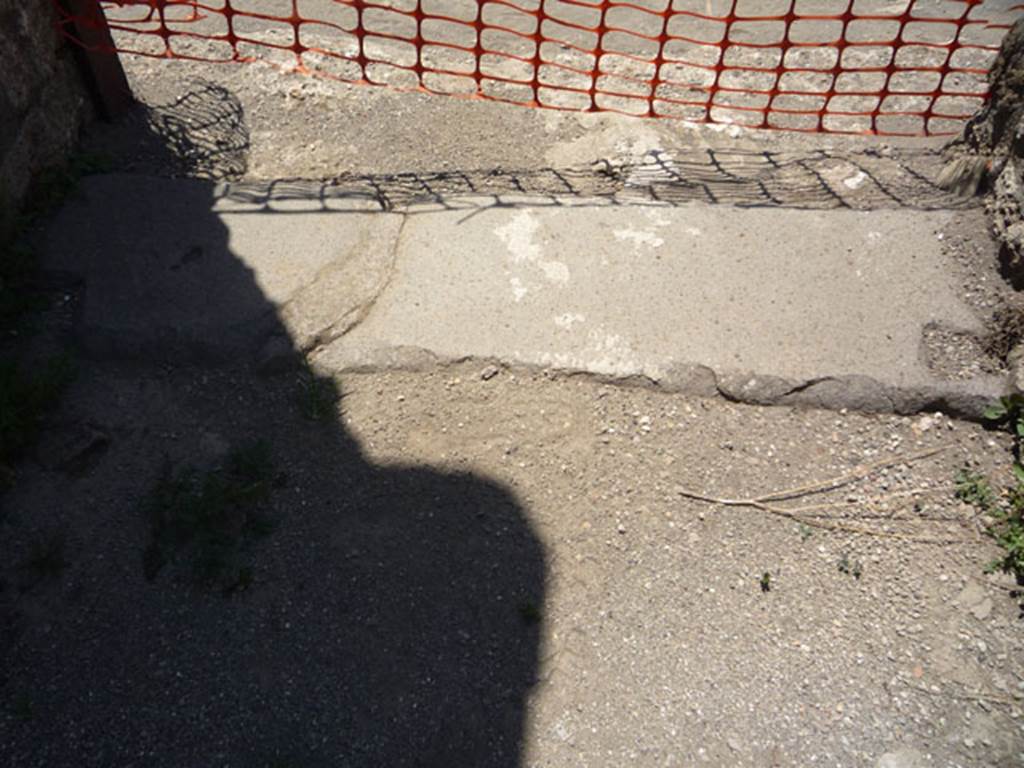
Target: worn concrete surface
[
  {"x": 166, "y": 274},
  {"x": 798, "y": 296},
  {"x": 759, "y": 305}
]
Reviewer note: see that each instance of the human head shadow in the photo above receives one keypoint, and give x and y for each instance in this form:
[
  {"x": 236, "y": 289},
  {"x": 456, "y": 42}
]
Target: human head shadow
[{"x": 392, "y": 616}]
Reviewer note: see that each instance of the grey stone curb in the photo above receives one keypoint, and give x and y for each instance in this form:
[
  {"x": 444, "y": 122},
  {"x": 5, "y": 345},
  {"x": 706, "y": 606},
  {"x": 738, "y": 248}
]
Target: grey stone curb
[{"x": 965, "y": 400}]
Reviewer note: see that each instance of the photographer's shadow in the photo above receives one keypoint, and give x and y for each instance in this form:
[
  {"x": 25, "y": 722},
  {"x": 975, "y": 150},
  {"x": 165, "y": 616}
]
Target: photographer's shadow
[{"x": 394, "y": 613}]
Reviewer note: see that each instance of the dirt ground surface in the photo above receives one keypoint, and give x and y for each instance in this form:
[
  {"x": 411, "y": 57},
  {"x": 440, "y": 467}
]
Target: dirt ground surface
[
  {"x": 476, "y": 564},
  {"x": 479, "y": 567}
]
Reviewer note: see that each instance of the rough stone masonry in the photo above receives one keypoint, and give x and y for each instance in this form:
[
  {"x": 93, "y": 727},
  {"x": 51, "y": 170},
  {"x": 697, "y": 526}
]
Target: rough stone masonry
[
  {"x": 987, "y": 156},
  {"x": 43, "y": 102}
]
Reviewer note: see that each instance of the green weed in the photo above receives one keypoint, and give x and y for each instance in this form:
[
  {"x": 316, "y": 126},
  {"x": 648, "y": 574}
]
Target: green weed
[
  {"x": 1008, "y": 414},
  {"x": 1004, "y": 510},
  {"x": 850, "y": 567},
  {"x": 1007, "y": 527},
  {"x": 974, "y": 489},
  {"x": 210, "y": 516},
  {"x": 1008, "y": 532},
  {"x": 318, "y": 396}
]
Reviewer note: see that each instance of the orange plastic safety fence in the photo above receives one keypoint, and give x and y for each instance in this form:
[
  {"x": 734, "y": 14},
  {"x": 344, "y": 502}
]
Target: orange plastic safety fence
[{"x": 907, "y": 67}]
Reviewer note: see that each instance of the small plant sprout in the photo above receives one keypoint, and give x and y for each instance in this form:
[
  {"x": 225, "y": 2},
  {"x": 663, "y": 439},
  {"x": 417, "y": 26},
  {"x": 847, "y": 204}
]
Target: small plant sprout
[
  {"x": 1004, "y": 510},
  {"x": 974, "y": 489},
  {"x": 318, "y": 396},
  {"x": 211, "y": 516},
  {"x": 1008, "y": 529},
  {"x": 850, "y": 567},
  {"x": 1008, "y": 413}
]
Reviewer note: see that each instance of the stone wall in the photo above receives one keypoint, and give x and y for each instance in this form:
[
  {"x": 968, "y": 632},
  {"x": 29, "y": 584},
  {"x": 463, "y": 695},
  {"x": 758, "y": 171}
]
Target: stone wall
[
  {"x": 44, "y": 103},
  {"x": 988, "y": 156}
]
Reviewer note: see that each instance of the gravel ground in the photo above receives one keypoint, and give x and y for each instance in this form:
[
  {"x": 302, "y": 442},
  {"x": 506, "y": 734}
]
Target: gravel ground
[
  {"x": 952, "y": 353},
  {"x": 481, "y": 566}
]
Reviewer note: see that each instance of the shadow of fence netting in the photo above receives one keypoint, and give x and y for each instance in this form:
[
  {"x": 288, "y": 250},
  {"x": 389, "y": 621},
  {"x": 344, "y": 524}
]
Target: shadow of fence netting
[
  {"x": 893, "y": 67},
  {"x": 815, "y": 180},
  {"x": 203, "y": 134}
]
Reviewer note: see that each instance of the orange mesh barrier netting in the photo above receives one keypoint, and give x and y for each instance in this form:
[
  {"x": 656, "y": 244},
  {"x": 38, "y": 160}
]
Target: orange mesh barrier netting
[{"x": 860, "y": 66}]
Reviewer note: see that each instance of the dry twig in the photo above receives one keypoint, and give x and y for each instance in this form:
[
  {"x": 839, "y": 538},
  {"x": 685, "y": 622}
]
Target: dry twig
[
  {"x": 989, "y": 697},
  {"x": 800, "y": 515}
]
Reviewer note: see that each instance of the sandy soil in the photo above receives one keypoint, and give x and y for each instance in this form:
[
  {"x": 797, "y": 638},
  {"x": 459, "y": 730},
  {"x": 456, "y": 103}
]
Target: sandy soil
[{"x": 501, "y": 567}]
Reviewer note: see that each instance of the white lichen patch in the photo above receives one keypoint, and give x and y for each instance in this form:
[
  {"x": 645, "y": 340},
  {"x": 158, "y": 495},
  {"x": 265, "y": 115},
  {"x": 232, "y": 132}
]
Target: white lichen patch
[
  {"x": 520, "y": 237},
  {"x": 639, "y": 238},
  {"x": 569, "y": 319}
]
